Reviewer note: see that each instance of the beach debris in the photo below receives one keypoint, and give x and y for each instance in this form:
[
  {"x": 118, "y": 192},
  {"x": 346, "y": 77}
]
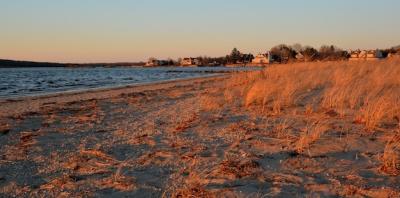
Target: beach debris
[{"x": 4, "y": 129}]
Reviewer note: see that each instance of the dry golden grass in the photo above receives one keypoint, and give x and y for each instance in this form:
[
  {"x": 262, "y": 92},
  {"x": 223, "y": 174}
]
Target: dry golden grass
[
  {"x": 281, "y": 128},
  {"x": 90, "y": 162},
  {"x": 354, "y": 191},
  {"x": 368, "y": 91},
  {"x": 211, "y": 103},
  {"x": 234, "y": 168},
  {"x": 19, "y": 151},
  {"x": 391, "y": 156},
  {"x": 142, "y": 139},
  {"x": 192, "y": 192},
  {"x": 186, "y": 122},
  {"x": 13, "y": 188},
  {"x": 375, "y": 111},
  {"x": 311, "y": 133}
]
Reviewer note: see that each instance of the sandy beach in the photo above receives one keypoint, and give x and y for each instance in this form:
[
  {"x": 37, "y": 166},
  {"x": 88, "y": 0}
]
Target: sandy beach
[
  {"x": 21, "y": 105},
  {"x": 186, "y": 138}
]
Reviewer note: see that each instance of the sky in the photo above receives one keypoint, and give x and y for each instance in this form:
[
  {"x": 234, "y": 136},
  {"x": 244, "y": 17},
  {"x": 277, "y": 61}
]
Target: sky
[{"x": 133, "y": 30}]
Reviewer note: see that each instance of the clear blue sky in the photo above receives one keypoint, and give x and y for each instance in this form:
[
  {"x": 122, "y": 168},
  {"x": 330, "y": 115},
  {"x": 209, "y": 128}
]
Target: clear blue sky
[{"x": 133, "y": 30}]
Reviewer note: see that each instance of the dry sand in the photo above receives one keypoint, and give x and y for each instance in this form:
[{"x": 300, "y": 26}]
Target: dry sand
[{"x": 180, "y": 139}]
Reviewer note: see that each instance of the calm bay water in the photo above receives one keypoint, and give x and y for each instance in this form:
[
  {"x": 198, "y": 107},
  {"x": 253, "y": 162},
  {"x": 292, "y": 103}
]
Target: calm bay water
[{"x": 17, "y": 82}]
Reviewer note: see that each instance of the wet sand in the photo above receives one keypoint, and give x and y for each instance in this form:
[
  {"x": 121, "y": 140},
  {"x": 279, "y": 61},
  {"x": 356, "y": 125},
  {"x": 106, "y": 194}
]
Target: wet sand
[{"x": 183, "y": 138}]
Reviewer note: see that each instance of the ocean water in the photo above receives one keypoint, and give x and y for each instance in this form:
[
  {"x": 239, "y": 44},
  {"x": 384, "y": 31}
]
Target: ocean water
[{"x": 17, "y": 82}]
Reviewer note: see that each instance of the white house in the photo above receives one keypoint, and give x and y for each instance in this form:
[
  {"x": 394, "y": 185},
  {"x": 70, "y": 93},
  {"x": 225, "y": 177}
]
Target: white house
[
  {"x": 262, "y": 59},
  {"x": 190, "y": 62},
  {"x": 366, "y": 55},
  {"x": 153, "y": 62}
]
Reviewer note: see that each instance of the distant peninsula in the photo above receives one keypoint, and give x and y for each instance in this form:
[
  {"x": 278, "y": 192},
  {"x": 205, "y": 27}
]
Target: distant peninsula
[{"x": 15, "y": 64}]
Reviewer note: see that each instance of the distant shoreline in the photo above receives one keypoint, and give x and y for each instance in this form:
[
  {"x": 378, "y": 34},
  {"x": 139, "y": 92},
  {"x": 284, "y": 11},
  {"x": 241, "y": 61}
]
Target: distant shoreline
[
  {"x": 5, "y": 63},
  {"x": 32, "y": 64}
]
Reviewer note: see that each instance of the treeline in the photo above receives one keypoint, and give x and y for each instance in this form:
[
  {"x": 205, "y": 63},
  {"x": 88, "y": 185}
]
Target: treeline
[
  {"x": 235, "y": 57},
  {"x": 285, "y": 53},
  {"x": 13, "y": 63},
  {"x": 393, "y": 50},
  {"x": 279, "y": 54},
  {"x": 288, "y": 53}
]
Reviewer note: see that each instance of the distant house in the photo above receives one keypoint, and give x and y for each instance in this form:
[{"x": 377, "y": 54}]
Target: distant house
[
  {"x": 214, "y": 63},
  {"x": 190, "y": 62},
  {"x": 262, "y": 59},
  {"x": 355, "y": 55},
  {"x": 394, "y": 55},
  {"x": 300, "y": 57},
  {"x": 152, "y": 62},
  {"x": 366, "y": 55},
  {"x": 374, "y": 54}
]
